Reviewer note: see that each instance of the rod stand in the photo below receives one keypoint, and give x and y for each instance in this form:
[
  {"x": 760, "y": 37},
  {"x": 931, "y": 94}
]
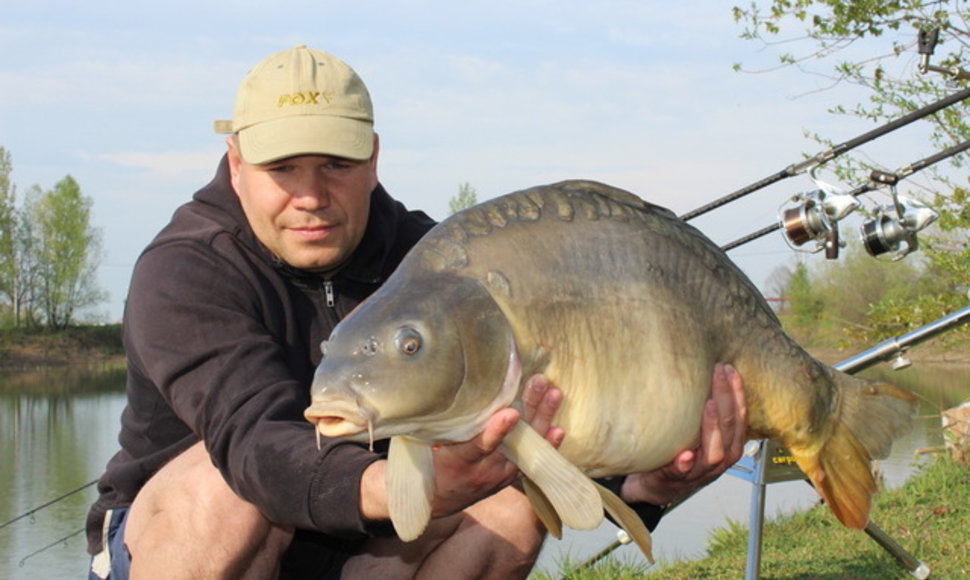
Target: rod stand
[{"x": 767, "y": 461}]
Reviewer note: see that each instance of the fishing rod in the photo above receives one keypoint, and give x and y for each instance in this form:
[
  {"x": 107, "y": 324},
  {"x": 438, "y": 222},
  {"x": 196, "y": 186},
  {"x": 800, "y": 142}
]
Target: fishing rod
[
  {"x": 883, "y": 351},
  {"x": 894, "y": 347},
  {"x": 831, "y": 153},
  {"x": 877, "y": 179},
  {"x": 61, "y": 497},
  {"x": 49, "y": 546}
]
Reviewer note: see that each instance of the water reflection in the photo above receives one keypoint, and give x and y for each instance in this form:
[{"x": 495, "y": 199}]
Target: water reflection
[
  {"x": 59, "y": 427},
  {"x": 939, "y": 386}
]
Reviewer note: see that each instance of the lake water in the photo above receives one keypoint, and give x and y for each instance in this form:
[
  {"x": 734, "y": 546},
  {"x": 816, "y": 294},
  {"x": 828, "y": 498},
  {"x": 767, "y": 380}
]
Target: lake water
[{"x": 58, "y": 427}]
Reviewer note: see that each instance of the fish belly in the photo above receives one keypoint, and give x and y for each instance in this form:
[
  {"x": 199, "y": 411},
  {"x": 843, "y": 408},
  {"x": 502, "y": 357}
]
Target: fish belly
[{"x": 635, "y": 373}]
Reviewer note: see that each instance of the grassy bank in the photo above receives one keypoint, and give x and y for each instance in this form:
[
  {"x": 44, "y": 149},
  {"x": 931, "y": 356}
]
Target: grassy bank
[
  {"x": 929, "y": 516},
  {"x": 77, "y": 344}
]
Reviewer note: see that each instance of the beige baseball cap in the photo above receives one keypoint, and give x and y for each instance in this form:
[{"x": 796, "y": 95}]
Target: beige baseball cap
[{"x": 301, "y": 102}]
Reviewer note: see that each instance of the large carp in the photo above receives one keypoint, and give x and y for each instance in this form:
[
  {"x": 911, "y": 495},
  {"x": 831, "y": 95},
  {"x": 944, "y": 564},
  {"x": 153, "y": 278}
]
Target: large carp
[{"x": 626, "y": 309}]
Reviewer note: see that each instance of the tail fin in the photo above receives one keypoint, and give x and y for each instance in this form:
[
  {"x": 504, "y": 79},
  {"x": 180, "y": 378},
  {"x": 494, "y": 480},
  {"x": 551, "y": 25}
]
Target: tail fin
[{"x": 870, "y": 416}]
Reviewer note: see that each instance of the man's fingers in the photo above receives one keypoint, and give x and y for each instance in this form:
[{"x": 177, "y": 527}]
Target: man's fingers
[
  {"x": 712, "y": 440},
  {"x": 682, "y": 464},
  {"x": 722, "y": 392},
  {"x": 498, "y": 426},
  {"x": 741, "y": 412},
  {"x": 723, "y": 396},
  {"x": 542, "y": 420},
  {"x": 540, "y": 402},
  {"x": 487, "y": 442},
  {"x": 724, "y": 426},
  {"x": 535, "y": 390},
  {"x": 555, "y": 436}
]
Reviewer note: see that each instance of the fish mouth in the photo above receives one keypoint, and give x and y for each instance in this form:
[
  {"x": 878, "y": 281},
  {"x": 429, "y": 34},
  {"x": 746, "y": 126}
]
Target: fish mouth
[{"x": 340, "y": 419}]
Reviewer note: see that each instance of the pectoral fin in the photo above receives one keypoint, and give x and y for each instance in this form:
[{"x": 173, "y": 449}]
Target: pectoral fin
[
  {"x": 540, "y": 503},
  {"x": 627, "y": 519},
  {"x": 410, "y": 486},
  {"x": 571, "y": 493}
]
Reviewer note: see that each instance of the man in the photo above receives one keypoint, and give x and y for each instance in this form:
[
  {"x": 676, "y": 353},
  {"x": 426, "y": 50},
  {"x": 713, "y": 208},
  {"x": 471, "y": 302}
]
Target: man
[{"x": 219, "y": 475}]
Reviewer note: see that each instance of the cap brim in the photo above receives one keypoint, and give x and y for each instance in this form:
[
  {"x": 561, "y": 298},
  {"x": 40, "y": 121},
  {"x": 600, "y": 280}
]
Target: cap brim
[{"x": 306, "y": 135}]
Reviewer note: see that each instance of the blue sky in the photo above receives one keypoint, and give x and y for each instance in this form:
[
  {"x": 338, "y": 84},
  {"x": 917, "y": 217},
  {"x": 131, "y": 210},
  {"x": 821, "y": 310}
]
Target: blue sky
[{"x": 500, "y": 94}]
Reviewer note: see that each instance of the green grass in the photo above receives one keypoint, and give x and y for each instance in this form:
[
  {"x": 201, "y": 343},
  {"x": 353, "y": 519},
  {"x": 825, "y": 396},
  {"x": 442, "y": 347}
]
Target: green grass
[{"x": 929, "y": 516}]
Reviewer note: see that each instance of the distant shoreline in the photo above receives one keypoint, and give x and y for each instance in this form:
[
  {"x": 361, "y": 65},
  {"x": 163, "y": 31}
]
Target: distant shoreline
[
  {"x": 72, "y": 346},
  {"x": 102, "y": 344}
]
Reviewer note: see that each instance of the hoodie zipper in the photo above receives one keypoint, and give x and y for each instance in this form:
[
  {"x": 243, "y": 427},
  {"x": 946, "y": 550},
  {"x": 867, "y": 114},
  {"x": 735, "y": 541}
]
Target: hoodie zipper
[{"x": 328, "y": 294}]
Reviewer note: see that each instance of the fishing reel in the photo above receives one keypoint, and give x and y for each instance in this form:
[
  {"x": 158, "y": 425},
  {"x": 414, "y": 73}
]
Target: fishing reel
[
  {"x": 815, "y": 217},
  {"x": 892, "y": 230}
]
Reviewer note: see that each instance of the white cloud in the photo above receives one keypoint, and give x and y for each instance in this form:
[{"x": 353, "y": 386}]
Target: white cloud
[{"x": 165, "y": 165}]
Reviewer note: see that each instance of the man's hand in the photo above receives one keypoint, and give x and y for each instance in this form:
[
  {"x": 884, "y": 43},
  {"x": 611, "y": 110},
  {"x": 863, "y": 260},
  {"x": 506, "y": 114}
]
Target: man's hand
[
  {"x": 723, "y": 434},
  {"x": 469, "y": 471},
  {"x": 472, "y": 470}
]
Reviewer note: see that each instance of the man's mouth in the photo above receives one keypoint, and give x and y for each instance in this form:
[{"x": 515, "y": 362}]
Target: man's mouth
[{"x": 312, "y": 232}]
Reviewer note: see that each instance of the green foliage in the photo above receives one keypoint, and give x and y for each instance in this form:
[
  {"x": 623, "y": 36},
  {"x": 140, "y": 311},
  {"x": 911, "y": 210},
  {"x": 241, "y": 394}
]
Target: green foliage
[
  {"x": 861, "y": 300},
  {"x": 856, "y": 283},
  {"x": 805, "y": 304},
  {"x": 68, "y": 251},
  {"x": 8, "y": 220},
  {"x": 949, "y": 251},
  {"x": 872, "y": 44},
  {"x": 893, "y": 317},
  {"x": 50, "y": 253},
  {"x": 27, "y": 272},
  {"x": 465, "y": 198}
]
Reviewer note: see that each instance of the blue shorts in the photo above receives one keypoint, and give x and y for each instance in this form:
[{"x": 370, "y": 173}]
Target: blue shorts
[{"x": 114, "y": 561}]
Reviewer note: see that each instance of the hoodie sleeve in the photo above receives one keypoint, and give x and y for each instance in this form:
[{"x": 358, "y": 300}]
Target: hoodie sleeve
[{"x": 218, "y": 336}]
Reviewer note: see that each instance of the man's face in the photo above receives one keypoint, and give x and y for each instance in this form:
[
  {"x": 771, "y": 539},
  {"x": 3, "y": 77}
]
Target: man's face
[{"x": 311, "y": 210}]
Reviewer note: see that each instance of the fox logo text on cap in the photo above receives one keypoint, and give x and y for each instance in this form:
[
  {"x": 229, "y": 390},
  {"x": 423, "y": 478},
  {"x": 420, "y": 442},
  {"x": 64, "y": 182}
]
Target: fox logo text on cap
[{"x": 302, "y": 102}]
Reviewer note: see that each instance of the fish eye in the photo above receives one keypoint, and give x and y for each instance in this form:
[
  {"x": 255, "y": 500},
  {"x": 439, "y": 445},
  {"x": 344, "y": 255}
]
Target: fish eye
[{"x": 408, "y": 341}]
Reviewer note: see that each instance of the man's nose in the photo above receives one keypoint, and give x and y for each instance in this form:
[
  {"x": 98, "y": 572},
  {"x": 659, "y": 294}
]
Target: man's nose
[{"x": 313, "y": 193}]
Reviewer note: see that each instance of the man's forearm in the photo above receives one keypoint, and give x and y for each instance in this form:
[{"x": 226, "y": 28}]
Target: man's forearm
[{"x": 373, "y": 492}]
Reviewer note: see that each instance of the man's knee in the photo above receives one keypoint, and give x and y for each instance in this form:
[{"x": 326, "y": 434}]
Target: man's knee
[
  {"x": 499, "y": 537},
  {"x": 513, "y": 534},
  {"x": 189, "y": 496}
]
